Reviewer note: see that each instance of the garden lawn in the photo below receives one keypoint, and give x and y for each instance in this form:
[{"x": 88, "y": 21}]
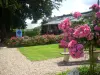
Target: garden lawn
[{"x": 41, "y": 52}]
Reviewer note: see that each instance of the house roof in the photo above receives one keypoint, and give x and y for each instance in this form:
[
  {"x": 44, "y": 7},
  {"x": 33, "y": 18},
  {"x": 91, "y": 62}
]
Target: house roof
[{"x": 59, "y": 19}]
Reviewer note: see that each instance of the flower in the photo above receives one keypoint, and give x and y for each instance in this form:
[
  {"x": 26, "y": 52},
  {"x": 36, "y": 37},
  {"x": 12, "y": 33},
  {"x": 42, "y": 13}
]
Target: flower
[
  {"x": 64, "y": 25},
  {"x": 82, "y": 31},
  {"x": 13, "y": 38},
  {"x": 98, "y": 15},
  {"x": 79, "y": 47},
  {"x": 97, "y": 28},
  {"x": 72, "y": 43},
  {"x": 77, "y": 51},
  {"x": 70, "y": 30},
  {"x": 95, "y": 7},
  {"x": 77, "y": 14},
  {"x": 90, "y": 36},
  {"x": 70, "y": 38},
  {"x": 63, "y": 44}
]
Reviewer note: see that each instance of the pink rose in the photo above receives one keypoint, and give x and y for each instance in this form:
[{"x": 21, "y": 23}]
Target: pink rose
[
  {"x": 64, "y": 25},
  {"x": 76, "y": 51},
  {"x": 97, "y": 28},
  {"x": 98, "y": 14},
  {"x": 95, "y": 7},
  {"x": 77, "y": 14},
  {"x": 79, "y": 47},
  {"x": 82, "y": 31},
  {"x": 70, "y": 38},
  {"x": 90, "y": 36},
  {"x": 72, "y": 43},
  {"x": 63, "y": 44}
]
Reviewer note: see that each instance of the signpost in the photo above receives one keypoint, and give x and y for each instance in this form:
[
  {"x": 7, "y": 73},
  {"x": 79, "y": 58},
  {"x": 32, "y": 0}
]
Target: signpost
[{"x": 19, "y": 33}]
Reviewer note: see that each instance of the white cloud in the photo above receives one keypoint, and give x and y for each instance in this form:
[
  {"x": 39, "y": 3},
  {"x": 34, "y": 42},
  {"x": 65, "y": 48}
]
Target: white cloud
[{"x": 32, "y": 25}]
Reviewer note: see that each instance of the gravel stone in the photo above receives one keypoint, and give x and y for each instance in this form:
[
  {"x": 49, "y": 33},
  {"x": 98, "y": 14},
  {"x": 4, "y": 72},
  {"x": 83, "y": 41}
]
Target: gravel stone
[{"x": 12, "y": 62}]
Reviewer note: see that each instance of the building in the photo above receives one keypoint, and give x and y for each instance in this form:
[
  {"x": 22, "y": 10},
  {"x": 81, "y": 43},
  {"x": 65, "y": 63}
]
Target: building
[{"x": 51, "y": 26}]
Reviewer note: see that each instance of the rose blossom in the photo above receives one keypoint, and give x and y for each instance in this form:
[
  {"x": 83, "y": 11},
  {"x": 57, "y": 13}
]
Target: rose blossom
[
  {"x": 82, "y": 31},
  {"x": 64, "y": 25},
  {"x": 90, "y": 36},
  {"x": 72, "y": 43},
  {"x": 95, "y": 7},
  {"x": 98, "y": 15},
  {"x": 77, "y": 14},
  {"x": 79, "y": 47},
  {"x": 97, "y": 28},
  {"x": 63, "y": 44},
  {"x": 77, "y": 51}
]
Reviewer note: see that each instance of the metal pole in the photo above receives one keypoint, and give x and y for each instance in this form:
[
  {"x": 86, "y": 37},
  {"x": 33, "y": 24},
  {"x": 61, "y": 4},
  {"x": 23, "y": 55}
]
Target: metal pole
[{"x": 98, "y": 2}]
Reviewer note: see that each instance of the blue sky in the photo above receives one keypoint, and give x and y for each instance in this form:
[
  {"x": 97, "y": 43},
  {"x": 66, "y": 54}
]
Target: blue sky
[{"x": 68, "y": 6}]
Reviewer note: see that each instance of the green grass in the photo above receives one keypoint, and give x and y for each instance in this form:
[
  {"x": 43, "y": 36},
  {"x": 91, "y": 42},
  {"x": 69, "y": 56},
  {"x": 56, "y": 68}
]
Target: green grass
[
  {"x": 97, "y": 48},
  {"x": 41, "y": 52}
]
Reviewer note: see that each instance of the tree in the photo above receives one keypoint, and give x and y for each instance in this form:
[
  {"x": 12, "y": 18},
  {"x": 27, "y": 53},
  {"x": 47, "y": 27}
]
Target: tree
[{"x": 15, "y": 12}]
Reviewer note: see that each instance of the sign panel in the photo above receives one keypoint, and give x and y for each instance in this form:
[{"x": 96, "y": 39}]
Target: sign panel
[{"x": 18, "y": 33}]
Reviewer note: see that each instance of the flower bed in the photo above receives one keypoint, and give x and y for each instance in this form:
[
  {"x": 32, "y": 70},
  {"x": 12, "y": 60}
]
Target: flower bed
[{"x": 31, "y": 41}]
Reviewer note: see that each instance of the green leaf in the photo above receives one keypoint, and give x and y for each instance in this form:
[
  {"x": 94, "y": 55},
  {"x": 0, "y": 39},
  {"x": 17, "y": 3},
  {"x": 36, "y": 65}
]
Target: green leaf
[
  {"x": 0, "y": 3},
  {"x": 6, "y": 2}
]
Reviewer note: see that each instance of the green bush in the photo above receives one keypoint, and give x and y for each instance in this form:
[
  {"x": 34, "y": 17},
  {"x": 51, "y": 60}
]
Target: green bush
[
  {"x": 31, "y": 41},
  {"x": 32, "y": 32},
  {"x": 84, "y": 70},
  {"x": 64, "y": 73}
]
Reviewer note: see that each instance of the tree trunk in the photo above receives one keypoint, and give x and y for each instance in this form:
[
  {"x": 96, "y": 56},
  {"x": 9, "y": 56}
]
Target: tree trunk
[
  {"x": 3, "y": 33},
  {"x": 3, "y": 26},
  {"x": 91, "y": 57}
]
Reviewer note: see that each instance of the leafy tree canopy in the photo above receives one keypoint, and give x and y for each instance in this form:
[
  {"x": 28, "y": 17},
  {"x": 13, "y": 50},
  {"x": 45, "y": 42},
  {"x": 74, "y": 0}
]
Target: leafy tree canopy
[
  {"x": 15, "y": 12},
  {"x": 19, "y": 10}
]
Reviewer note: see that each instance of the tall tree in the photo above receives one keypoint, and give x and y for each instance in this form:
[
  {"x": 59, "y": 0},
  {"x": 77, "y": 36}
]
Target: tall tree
[{"x": 15, "y": 12}]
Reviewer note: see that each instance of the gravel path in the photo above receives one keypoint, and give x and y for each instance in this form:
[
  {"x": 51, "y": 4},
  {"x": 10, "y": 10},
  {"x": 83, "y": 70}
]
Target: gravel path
[{"x": 12, "y": 62}]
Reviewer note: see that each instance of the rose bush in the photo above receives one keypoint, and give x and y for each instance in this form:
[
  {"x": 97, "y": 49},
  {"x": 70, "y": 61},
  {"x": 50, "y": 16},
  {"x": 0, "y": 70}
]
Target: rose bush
[
  {"x": 79, "y": 36},
  {"x": 75, "y": 38},
  {"x": 31, "y": 41}
]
